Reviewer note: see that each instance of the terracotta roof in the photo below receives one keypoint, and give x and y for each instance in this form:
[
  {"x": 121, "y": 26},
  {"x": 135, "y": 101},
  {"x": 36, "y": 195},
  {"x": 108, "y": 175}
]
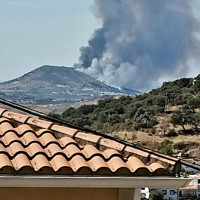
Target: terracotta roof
[{"x": 29, "y": 145}]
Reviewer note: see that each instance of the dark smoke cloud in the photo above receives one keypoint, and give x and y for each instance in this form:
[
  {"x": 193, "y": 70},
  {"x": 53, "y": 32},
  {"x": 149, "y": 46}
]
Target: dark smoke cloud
[
  {"x": 141, "y": 42},
  {"x": 95, "y": 48}
]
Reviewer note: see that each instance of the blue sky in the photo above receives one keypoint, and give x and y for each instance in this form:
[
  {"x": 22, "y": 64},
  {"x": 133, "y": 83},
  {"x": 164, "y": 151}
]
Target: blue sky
[{"x": 38, "y": 32}]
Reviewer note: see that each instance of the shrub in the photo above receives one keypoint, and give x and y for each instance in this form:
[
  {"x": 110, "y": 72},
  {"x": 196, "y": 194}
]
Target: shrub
[
  {"x": 166, "y": 147},
  {"x": 172, "y": 133}
]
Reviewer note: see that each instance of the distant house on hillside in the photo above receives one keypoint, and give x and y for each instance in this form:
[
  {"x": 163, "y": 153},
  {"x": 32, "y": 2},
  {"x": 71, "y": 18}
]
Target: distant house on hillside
[
  {"x": 44, "y": 160},
  {"x": 188, "y": 192}
]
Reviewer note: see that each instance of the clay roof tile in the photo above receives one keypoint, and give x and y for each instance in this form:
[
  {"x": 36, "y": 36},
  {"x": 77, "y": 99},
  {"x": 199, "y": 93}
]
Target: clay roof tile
[
  {"x": 39, "y": 123},
  {"x": 6, "y": 126},
  {"x": 39, "y": 162},
  {"x": 107, "y": 143},
  {"x": 23, "y": 128},
  {"x": 52, "y": 149},
  {"x": 108, "y": 153},
  {"x": 62, "y": 129},
  {"x": 16, "y": 116},
  {"x": 97, "y": 163},
  {"x": 15, "y": 148},
  {"x": 28, "y": 138},
  {"x": 116, "y": 163},
  {"x": 85, "y": 138},
  {"x": 59, "y": 162},
  {"x": 5, "y": 161},
  {"x": 90, "y": 151},
  {"x": 65, "y": 141},
  {"x": 10, "y": 137},
  {"x": 78, "y": 162},
  {"x": 21, "y": 161},
  {"x": 35, "y": 149},
  {"x": 47, "y": 138},
  {"x": 2, "y": 110},
  {"x": 71, "y": 150}
]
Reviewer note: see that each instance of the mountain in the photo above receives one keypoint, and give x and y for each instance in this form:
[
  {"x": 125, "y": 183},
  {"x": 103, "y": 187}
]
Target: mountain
[{"x": 52, "y": 84}]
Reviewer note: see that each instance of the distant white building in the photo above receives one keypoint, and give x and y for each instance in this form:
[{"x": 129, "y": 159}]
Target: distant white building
[
  {"x": 188, "y": 192},
  {"x": 145, "y": 193},
  {"x": 185, "y": 193}
]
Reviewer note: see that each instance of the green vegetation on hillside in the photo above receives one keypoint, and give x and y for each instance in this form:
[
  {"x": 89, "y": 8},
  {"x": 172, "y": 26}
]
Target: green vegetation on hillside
[{"x": 127, "y": 113}]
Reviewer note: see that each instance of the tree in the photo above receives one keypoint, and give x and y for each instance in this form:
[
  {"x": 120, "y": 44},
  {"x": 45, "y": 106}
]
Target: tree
[
  {"x": 144, "y": 119},
  {"x": 177, "y": 119},
  {"x": 156, "y": 195},
  {"x": 183, "y": 116},
  {"x": 193, "y": 102},
  {"x": 197, "y": 83},
  {"x": 196, "y": 121}
]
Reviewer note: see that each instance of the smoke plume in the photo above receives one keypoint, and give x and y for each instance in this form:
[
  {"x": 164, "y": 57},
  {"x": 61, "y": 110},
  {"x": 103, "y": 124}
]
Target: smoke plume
[{"x": 140, "y": 42}]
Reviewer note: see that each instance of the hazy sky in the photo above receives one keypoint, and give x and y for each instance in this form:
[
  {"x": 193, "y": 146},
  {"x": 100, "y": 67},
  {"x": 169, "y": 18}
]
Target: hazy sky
[{"x": 39, "y": 32}]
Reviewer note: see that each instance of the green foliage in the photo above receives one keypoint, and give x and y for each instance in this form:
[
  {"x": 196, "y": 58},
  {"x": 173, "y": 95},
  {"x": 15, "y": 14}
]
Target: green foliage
[
  {"x": 128, "y": 113},
  {"x": 182, "y": 117},
  {"x": 166, "y": 147},
  {"x": 193, "y": 102},
  {"x": 196, "y": 85},
  {"x": 179, "y": 83},
  {"x": 194, "y": 197},
  {"x": 172, "y": 133},
  {"x": 186, "y": 116},
  {"x": 144, "y": 119},
  {"x": 156, "y": 195},
  {"x": 57, "y": 116}
]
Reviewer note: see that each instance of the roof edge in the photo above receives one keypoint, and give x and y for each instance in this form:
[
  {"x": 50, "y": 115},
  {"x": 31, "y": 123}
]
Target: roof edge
[{"x": 94, "y": 182}]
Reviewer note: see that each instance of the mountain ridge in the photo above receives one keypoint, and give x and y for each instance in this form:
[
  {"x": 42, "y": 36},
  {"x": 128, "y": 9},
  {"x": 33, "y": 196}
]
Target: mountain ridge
[{"x": 55, "y": 84}]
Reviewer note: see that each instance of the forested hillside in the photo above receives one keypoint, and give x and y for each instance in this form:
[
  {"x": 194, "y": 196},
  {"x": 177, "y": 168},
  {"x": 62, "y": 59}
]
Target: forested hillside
[{"x": 179, "y": 99}]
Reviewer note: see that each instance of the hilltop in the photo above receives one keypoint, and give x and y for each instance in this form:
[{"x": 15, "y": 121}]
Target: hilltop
[
  {"x": 142, "y": 111},
  {"x": 52, "y": 84}
]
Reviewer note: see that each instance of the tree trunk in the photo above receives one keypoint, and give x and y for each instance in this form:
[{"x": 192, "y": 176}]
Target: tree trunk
[{"x": 183, "y": 127}]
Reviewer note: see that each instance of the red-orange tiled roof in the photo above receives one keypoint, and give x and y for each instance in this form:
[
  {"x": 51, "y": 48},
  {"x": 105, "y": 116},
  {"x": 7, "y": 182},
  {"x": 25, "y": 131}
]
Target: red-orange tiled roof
[{"x": 29, "y": 145}]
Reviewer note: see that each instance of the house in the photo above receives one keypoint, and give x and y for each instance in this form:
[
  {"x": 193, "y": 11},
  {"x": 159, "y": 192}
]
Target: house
[
  {"x": 43, "y": 159},
  {"x": 187, "y": 193},
  {"x": 184, "y": 193}
]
